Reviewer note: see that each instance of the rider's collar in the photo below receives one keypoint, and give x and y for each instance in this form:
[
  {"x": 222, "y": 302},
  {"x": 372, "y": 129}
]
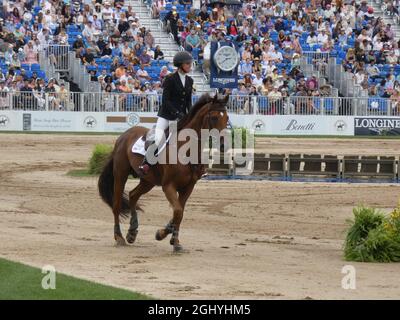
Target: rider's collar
[{"x": 181, "y": 73}]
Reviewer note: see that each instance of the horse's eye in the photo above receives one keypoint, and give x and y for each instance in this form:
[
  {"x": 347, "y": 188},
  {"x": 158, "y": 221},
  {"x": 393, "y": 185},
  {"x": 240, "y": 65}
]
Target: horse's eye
[{"x": 214, "y": 119}]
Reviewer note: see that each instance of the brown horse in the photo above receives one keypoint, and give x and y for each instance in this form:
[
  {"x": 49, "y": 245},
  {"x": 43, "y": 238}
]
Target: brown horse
[{"x": 177, "y": 180}]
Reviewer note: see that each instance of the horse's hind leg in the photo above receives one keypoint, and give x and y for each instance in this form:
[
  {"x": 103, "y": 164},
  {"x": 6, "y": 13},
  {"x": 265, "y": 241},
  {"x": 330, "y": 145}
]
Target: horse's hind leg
[
  {"x": 142, "y": 188},
  {"x": 119, "y": 184}
]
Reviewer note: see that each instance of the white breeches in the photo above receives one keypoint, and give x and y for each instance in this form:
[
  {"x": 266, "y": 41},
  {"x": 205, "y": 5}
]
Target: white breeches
[{"x": 161, "y": 125}]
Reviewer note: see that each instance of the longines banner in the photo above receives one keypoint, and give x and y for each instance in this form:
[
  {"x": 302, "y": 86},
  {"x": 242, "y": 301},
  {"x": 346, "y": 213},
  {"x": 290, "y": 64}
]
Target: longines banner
[
  {"x": 376, "y": 126},
  {"x": 224, "y": 65}
]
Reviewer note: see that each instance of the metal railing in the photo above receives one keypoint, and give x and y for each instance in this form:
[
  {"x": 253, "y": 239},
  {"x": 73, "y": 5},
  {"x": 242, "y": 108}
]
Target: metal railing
[
  {"x": 78, "y": 73},
  {"x": 48, "y": 64},
  {"x": 238, "y": 104},
  {"x": 319, "y": 60},
  {"x": 57, "y": 55}
]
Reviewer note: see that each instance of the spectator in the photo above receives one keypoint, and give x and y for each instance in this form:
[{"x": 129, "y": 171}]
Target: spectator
[
  {"x": 158, "y": 54},
  {"x": 192, "y": 41},
  {"x": 142, "y": 75}
]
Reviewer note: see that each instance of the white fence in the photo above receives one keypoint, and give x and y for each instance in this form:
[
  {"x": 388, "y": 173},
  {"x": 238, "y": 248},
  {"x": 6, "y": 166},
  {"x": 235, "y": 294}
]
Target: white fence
[{"x": 239, "y": 104}]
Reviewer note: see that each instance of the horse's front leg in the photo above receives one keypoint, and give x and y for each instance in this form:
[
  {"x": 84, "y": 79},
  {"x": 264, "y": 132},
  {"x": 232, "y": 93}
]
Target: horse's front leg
[
  {"x": 183, "y": 197},
  {"x": 178, "y": 205}
]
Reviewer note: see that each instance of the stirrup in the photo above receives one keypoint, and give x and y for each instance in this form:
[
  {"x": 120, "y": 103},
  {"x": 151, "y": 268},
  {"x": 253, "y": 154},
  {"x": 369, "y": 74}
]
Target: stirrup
[{"x": 144, "y": 168}]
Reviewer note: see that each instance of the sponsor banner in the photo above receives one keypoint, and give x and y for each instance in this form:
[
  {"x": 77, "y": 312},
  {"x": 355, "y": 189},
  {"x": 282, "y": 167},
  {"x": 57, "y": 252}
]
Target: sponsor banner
[
  {"x": 218, "y": 77},
  {"x": 62, "y": 121},
  {"x": 295, "y": 125},
  {"x": 122, "y": 121},
  {"x": 91, "y": 122},
  {"x": 74, "y": 121},
  {"x": 376, "y": 126},
  {"x": 312, "y": 125},
  {"x": 10, "y": 121},
  {"x": 52, "y": 121}
]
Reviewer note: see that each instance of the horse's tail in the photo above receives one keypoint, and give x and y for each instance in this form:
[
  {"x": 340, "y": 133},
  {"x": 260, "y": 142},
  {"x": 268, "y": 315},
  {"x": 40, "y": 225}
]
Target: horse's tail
[{"x": 106, "y": 187}]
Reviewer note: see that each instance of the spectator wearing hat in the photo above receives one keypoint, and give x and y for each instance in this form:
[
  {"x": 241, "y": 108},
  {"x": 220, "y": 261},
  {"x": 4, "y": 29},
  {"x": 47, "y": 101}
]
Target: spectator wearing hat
[
  {"x": 192, "y": 41},
  {"x": 214, "y": 17},
  {"x": 173, "y": 24},
  {"x": 107, "y": 13}
]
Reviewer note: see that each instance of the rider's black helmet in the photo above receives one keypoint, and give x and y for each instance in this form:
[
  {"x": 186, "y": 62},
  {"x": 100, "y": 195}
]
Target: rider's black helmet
[{"x": 182, "y": 57}]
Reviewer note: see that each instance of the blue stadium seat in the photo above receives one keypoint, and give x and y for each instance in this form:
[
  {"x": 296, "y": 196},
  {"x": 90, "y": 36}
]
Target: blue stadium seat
[
  {"x": 41, "y": 74},
  {"x": 262, "y": 104},
  {"x": 329, "y": 105},
  {"x": 35, "y": 67},
  {"x": 377, "y": 104}
]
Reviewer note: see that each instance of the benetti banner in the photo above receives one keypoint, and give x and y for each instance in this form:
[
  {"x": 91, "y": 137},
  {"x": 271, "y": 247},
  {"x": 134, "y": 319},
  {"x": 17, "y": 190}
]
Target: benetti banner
[{"x": 376, "y": 126}]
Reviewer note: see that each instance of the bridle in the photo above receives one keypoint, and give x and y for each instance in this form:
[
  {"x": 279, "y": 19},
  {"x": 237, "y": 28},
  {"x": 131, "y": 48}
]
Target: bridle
[{"x": 220, "y": 109}]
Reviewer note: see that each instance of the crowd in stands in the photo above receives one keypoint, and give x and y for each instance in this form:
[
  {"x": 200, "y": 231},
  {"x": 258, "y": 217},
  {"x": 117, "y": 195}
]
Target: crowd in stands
[
  {"x": 374, "y": 59},
  {"x": 273, "y": 35},
  {"x": 116, "y": 50},
  {"x": 25, "y": 30}
]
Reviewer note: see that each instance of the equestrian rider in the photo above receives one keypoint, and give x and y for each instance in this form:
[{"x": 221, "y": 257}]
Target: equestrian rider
[{"x": 176, "y": 99}]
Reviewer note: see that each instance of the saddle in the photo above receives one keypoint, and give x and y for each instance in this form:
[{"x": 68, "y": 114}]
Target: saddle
[{"x": 149, "y": 138}]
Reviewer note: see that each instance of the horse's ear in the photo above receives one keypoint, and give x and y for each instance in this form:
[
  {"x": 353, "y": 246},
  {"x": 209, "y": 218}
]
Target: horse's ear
[
  {"x": 226, "y": 99},
  {"x": 215, "y": 99}
]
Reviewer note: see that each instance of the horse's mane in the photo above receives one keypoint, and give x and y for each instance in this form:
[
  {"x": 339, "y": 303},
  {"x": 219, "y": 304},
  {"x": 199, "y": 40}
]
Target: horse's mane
[{"x": 203, "y": 100}]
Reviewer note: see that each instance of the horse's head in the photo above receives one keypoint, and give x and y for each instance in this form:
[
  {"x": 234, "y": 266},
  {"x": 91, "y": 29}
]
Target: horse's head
[{"x": 216, "y": 115}]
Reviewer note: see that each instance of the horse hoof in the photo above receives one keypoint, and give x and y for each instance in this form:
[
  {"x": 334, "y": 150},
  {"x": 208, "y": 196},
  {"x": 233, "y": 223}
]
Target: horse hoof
[
  {"x": 160, "y": 234},
  {"x": 131, "y": 236},
  {"x": 179, "y": 249},
  {"x": 120, "y": 241}
]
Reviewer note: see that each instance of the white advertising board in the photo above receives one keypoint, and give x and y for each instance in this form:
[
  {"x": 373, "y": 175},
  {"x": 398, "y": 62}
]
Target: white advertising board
[{"x": 120, "y": 121}]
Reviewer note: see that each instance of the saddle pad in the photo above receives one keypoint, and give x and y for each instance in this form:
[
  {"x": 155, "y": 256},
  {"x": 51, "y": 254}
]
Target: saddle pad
[{"x": 139, "y": 145}]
